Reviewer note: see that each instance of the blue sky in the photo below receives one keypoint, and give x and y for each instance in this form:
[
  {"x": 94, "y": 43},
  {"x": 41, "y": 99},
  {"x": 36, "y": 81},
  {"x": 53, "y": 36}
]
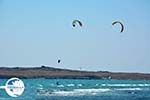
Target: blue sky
[{"x": 38, "y": 32}]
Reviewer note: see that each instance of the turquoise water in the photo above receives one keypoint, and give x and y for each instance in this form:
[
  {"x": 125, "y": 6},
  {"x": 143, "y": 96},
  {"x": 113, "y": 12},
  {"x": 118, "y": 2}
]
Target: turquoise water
[{"x": 73, "y": 89}]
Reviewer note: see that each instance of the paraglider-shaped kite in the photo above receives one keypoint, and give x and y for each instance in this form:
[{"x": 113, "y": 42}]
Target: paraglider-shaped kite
[
  {"x": 122, "y": 26},
  {"x": 75, "y": 22},
  {"x": 58, "y": 61}
]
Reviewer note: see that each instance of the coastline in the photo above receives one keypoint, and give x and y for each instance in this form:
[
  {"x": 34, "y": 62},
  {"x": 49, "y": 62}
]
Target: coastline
[{"x": 54, "y": 73}]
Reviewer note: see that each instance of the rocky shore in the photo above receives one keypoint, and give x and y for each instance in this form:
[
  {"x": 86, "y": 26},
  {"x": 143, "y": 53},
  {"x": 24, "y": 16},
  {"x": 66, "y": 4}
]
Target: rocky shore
[{"x": 52, "y": 73}]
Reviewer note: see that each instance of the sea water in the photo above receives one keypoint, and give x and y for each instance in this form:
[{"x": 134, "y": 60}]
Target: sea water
[{"x": 80, "y": 89}]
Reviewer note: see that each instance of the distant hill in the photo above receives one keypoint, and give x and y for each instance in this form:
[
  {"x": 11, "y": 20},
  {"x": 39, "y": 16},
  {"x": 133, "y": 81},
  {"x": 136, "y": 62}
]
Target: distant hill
[{"x": 50, "y": 72}]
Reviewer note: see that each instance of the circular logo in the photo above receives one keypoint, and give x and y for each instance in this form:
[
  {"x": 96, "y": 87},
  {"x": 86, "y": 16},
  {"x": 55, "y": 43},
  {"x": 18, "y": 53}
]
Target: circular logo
[{"x": 14, "y": 87}]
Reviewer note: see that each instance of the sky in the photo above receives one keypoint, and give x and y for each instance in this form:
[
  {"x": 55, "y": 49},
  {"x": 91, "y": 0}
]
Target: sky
[{"x": 39, "y": 32}]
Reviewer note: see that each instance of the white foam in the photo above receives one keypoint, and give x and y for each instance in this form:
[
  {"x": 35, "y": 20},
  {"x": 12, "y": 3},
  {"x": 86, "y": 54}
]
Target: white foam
[
  {"x": 76, "y": 92},
  {"x": 91, "y": 90},
  {"x": 132, "y": 89},
  {"x": 40, "y": 88},
  {"x": 40, "y": 85},
  {"x": 60, "y": 86},
  {"x": 126, "y": 85},
  {"x": 70, "y": 85},
  {"x": 64, "y": 93},
  {"x": 96, "y": 84},
  {"x": 79, "y": 85}
]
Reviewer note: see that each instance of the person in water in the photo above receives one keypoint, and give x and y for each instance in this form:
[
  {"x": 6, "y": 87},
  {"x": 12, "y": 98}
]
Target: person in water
[{"x": 57, "y": 83}]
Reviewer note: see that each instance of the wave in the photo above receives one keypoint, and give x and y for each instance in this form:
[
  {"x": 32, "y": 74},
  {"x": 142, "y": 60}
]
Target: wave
[
  {"x": 60, "y": 86},
  {"x": 75, "y": 92},
  {"x": 91, "y": 90},
  {"x": 79, "y": 92},
  {"x": 130, "y": 89},
  {"x": 70, "y": 85},
  {"x": 97, "y": 89},
  {"x": 79, "y": 85},
  {"x": 40, "y": 86},
  {"x": 126, "y": 85}
]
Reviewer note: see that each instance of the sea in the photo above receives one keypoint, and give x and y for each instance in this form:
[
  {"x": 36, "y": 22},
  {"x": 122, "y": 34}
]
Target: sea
[{"x": 81, "y": 89}]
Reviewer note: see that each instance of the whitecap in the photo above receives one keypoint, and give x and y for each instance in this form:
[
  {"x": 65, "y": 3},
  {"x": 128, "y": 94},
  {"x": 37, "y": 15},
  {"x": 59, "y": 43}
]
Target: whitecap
[
  {"x": 76, "y": 92},
  {"x": 60, "y": 86},
  {"x": 125, "y": 85},
  {"x": 131, "y": 89},
  {"x": 96, "y": 84},
  {"x": 92, "y": 90},
  {"x": 70, "y": 85},
  {"x": 40, "y": 85},
  {"x": 79, "y": 85}
]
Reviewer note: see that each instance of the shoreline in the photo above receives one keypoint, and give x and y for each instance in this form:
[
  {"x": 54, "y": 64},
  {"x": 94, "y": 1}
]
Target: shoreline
[{"x": 57, "y": 73}]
